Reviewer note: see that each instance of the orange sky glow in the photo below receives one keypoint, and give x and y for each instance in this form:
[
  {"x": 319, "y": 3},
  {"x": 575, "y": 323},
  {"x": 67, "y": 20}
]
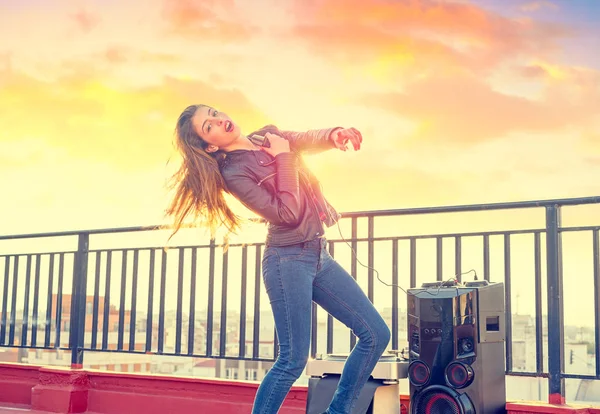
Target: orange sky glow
[{"x": 458, "y": 101}]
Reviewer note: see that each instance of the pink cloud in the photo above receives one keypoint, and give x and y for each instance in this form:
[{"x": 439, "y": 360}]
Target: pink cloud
[
  {"x": 464, "y": 110},
  {"x": 86, "y": 21},
  {"x": 209, "y": 20},
  {"x": 116, "y": 55},
  {"x": 122, "y": 54},
  {"x": 462, "y": 35},
  {"x": 537, "y": 5}
]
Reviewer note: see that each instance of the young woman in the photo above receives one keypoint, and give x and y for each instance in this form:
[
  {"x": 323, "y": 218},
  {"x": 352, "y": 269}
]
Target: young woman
[{"x": 274, "y": 183}]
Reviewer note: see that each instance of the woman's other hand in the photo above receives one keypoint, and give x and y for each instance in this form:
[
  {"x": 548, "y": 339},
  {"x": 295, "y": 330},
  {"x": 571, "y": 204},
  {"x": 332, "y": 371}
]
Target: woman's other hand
[
  {"x": 341, "y": 137},
  {"x": 278, "y": 144}
]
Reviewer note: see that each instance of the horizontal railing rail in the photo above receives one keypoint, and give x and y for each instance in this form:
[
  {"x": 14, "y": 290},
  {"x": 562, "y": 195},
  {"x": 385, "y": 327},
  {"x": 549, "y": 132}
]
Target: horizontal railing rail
[{"x": 355, "y": 214}]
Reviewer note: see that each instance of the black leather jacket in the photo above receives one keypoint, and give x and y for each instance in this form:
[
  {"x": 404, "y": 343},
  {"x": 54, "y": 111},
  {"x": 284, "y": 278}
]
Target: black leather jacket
[{"x": 281, "y": 189}]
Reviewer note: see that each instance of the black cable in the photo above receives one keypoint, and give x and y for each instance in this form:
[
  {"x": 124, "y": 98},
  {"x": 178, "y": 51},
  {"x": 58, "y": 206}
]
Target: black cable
[
  {"x": 439, "y": 285},
  {"x": 365, "y": 266}
]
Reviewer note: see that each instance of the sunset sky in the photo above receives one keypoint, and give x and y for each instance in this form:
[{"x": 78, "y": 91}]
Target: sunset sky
[{"x": 458, "y": 101}]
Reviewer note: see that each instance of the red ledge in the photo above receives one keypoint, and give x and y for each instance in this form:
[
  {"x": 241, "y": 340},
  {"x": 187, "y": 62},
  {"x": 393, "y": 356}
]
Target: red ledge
[
  {"x": 545, "y": 408},
  {"x": 65, "y": 390},
  {"x": 16, "y": 381}
]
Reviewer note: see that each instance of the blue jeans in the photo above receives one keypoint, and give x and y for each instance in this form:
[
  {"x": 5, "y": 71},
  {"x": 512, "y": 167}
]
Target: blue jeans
[{"x": 294, "y": 277}]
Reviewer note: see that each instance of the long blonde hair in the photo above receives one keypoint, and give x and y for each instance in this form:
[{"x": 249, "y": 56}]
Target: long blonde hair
[{"x": 198, "y": 182}]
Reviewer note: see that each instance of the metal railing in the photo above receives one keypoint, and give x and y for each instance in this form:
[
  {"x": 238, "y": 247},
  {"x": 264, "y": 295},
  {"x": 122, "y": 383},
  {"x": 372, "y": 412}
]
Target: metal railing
[{"x": 69, "y": 273}]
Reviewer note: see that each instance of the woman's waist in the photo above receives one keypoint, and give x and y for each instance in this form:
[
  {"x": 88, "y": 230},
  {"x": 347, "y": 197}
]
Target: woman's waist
[{"x": 307, "y": 235}]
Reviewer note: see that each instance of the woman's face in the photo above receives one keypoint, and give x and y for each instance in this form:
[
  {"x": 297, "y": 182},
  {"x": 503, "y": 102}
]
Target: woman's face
[{"x": 215, "y": 128}]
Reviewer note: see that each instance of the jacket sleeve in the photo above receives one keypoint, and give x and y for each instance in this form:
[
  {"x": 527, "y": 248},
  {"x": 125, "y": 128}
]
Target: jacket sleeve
[
  {"x": 311, "y": 141},
  {"x": 282, "y": 208}
]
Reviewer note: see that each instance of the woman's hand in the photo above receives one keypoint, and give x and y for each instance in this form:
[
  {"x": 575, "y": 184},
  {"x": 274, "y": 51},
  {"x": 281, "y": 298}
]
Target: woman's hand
[
  {"x": 278, "y": 144},
  {"x": 341, "y": 137}
]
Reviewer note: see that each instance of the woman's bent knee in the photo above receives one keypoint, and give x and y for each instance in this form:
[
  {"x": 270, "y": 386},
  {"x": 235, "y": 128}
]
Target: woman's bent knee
[
  {"x": 293, "y": 368},
  {"x": 384, "y": 336}
]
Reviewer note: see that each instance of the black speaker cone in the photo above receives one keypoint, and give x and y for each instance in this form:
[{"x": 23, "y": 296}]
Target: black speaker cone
[
  {"x": 418, "y": 373},
  {"x": 459, "y": 375},
  {"x": 441, "y": 400}
]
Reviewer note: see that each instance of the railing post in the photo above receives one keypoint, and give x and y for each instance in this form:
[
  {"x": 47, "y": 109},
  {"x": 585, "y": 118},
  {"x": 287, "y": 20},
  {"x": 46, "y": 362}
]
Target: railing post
[
  {"x": 78, "y": 301},
  {"x": 556, "y": 385}
]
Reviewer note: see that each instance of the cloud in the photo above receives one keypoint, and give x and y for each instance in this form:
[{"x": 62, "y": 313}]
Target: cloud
[
  {"x": 208, "y": 20},
  {"x": 119, "y": 54},
  {"x": 91, "y": 117},
  {"x": 537, "y": 5},
  {"x": 85, "y": 20},
  {"x": 428, "y": 34},
  {"x": 116, "y": 55},
  {"x": 466, "y": 110}
]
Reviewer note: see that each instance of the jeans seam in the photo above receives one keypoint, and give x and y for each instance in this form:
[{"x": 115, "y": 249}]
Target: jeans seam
[
  {"x": 362, "y": 321},
  {"x": 287, "y": 321}
]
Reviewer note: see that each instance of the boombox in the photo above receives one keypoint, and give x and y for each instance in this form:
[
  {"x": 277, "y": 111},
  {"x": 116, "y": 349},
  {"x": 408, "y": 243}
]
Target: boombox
[{"x": 456, "y": 340}]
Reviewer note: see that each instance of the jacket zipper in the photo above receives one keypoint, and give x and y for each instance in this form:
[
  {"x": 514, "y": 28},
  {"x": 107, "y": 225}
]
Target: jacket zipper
[{"x": 266, "y": 178}]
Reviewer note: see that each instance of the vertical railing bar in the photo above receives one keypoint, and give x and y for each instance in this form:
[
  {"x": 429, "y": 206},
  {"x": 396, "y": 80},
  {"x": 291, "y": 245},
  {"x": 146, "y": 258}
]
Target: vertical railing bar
[
  {"x": 122, "y": 301},
  {"x": 133, "y": 313},
  {"x": 244, "y": 270},
  {"x": 353, "y": 266},
  {"x": 161, "y": 306},
  {"x": 508, "y": 302},
  {"x": 179, "y": 312},
  {"x": 458, "y": 258},
  {"x": 74, "y": 314},
  {"x": 211, "y": 291},
  {"x": 413, "y": 262},
  {"x": 5, "y": 298},
  {"x": 596, "y": 255},
  {"x": 96, "y": 303},
  {"x": 192, "y": 313},
  {"x": 257, "y": 279},
  {"x": 27, "y": 292},
  {"x": 329, "y": 317},
  {"x": 556, "y": 381},
  {"x": 13, "y": 304},
  {"x": 223, "y": 324},
  {"x": 438, "y": 259},
  {"x": 486, "y": 257},
  {"x": 354, "y": 261},
  {"x": 394, "y": 294},
  {"x": 79, "y": 305},
  {"x": 539, "y": 325},
  {"x": 36, "y": 295},
  {"x": 106, "y": 313},
  {"x": 58, "y": 325},
  {"x": 371, "y": 261},
  {"x": 149, "y": 316},
  {"x": 48, "y": 328}
]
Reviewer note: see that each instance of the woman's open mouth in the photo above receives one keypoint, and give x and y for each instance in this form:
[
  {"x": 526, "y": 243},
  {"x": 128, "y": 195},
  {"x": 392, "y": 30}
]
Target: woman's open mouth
[{"x": 228, "y": 126}]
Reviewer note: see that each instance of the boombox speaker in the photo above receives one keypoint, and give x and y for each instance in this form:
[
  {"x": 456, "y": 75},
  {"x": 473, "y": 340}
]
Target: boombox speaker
[{"x": 456, "y": 335}]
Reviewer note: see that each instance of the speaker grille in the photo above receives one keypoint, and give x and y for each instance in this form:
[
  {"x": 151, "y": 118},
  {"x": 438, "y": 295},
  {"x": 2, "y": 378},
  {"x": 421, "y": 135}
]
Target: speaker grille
[{"x": 435, "y": 401}]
